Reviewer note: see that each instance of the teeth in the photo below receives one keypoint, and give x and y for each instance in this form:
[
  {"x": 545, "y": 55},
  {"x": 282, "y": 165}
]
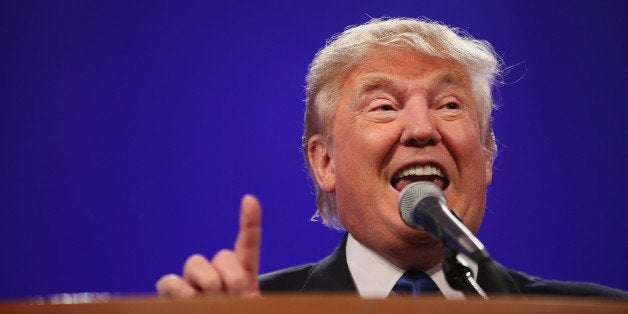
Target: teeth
[{"x": 420, "y": 170}]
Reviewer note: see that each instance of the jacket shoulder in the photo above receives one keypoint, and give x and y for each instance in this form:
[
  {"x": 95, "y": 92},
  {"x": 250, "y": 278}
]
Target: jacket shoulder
[
  {"x": 536, "y": 286},
  {"x": 329, "y": 274},
  {"x": 289, "y": 279}
]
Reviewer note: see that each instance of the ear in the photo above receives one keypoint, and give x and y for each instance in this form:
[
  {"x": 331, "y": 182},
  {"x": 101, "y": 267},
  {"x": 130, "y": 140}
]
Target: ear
[
  {"x": 318, "y": 153},
  {"x": 488, "y": 164}
]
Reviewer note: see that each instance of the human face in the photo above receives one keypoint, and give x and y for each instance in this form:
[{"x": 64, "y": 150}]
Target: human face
[{"x": 400, "y": 113}]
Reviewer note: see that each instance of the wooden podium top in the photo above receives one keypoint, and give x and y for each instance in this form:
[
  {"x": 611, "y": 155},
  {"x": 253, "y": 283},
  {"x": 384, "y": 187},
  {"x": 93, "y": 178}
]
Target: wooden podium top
[{"x": 322, "y": 303}]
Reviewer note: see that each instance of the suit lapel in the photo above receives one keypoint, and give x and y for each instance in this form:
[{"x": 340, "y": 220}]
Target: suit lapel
[
  {"x": 331, "y": 273},
  {"x": 488, "y": 284}
]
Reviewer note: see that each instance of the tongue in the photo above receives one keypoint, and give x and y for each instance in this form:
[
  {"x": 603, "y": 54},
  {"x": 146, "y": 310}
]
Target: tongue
[{"x": 403, "y": 182}]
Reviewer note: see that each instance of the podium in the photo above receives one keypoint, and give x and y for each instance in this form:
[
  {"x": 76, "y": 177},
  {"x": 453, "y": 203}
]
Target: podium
[{"x": 322, "y": 303}]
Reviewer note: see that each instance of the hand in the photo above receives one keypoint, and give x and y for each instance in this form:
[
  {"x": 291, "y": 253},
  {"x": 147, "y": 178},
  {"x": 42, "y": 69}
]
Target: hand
[{"x": 229, "y": 272}]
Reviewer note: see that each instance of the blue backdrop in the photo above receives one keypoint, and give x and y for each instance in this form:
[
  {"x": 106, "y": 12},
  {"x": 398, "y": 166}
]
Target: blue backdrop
[{"x": 129, "y": 130}]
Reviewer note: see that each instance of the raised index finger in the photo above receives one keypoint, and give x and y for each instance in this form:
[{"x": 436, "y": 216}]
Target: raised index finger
[{"x": 247, "y": 245}]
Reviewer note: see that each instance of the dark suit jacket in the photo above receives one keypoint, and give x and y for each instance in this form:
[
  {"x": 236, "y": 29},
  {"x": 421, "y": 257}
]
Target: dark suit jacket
[{"x": 332, "y": 274}]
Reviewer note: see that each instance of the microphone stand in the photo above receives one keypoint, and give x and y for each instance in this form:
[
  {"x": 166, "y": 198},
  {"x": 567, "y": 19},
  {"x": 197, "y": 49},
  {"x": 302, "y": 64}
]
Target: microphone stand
[{"x": 460, "y": 276}]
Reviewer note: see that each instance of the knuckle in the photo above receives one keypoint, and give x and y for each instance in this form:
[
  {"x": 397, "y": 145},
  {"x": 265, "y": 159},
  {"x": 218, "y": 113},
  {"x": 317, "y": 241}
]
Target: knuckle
[
  {"x": 223, "y": 255},
  {"x": 194, "y": 265},
  {"x": 172, "y": 285},
  {"x": 200, "y": 273},
  {"x": 164, "y": 282},
  {"x": 233, "y": 276},
  {"x": 195, "y": 260},
  {"x": 236, "y": 282},
  {"x": 166, "y": 278},
  {"x": 209, "y": 283}
]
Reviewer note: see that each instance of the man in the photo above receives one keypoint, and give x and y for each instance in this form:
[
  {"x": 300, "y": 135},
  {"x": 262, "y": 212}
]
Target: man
[{"x": 389, "y": 103}]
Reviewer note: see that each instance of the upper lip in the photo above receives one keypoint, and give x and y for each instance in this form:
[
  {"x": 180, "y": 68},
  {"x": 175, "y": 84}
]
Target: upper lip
[{"x": 429, "y": 168}]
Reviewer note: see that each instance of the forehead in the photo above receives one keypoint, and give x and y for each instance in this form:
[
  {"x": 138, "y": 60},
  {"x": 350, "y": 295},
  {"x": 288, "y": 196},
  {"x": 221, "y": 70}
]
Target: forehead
[{"x": 388, "y": 67}]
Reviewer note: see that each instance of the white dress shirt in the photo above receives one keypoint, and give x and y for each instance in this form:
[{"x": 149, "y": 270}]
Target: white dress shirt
[{"x": 374, "y": 277}]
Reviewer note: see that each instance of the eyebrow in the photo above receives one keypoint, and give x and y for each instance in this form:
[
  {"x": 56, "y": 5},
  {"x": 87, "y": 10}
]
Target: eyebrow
[
  {"x": 375, "y": 82},
  {"x": 452, "y": 77},
  {"x": 380, "y": 80}
]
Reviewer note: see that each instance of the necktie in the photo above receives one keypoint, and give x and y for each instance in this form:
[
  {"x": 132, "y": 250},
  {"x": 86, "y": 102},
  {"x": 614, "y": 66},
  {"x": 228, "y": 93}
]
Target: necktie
[{"x": 415, "y": 283}]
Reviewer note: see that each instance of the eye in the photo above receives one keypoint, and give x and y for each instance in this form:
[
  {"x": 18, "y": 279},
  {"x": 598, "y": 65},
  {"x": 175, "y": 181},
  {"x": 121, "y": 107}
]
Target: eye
[
  {"x": 381, "y": 110},
  {"x": 451, "y": 110},
  {"x": 452, "y": 105},
  {"x": 379, "y": 105}
]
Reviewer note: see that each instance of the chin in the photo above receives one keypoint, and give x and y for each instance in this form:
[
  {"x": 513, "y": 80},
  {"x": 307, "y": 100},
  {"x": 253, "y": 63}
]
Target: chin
[{"x": 416, "y": 238}]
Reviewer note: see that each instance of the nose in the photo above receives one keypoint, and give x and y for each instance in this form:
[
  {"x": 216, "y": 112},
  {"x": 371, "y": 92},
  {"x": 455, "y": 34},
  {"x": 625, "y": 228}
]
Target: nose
[{"x": 419, "y": 126}]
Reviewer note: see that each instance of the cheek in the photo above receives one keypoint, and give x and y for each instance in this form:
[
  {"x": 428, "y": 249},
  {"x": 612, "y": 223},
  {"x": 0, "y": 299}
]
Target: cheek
[
  {"x": 377, "y": 142},
  {"x": 466, "y": 148},
  {"x": 472, "y": 178},
  {"x": 474, "y": 220},
  {"x": 358, "y": 159},
  {"x": 363, "y": 148}
]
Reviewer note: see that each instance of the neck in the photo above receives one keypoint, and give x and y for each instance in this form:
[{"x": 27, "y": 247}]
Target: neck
[
  {"x": 422, "y": 257},
  {"x": 419, "y": 253}
]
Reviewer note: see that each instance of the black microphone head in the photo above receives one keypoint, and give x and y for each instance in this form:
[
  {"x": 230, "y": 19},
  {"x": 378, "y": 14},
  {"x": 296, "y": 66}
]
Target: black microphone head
[{"x": 411, "y": 195}]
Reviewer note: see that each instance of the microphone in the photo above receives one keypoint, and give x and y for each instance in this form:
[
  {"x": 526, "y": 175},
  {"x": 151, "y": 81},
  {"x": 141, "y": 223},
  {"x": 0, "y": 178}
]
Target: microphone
[{"x": 422, "y": 206}]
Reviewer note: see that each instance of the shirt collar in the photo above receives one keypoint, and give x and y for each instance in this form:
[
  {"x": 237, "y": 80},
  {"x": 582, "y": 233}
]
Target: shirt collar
[{"x": 374, "y": 276}]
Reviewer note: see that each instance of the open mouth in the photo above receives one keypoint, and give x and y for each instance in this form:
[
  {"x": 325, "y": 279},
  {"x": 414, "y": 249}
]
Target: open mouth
[{"x": 415, "y": 173}]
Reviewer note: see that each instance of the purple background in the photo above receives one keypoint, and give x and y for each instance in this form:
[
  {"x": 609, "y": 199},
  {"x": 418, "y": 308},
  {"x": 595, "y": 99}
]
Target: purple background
[{"x": 130, "y": 130}]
